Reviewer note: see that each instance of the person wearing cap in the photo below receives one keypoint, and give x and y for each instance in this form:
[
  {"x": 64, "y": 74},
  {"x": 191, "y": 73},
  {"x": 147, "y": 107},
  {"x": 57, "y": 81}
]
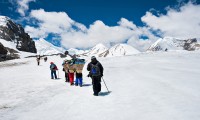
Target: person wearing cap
[
  {"x": 96, "y": 72},
  {"x": 53, "y": 69}
]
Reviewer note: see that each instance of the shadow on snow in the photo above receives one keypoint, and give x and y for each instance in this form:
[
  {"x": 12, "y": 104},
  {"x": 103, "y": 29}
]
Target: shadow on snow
[{"x": 104, "y": 93}]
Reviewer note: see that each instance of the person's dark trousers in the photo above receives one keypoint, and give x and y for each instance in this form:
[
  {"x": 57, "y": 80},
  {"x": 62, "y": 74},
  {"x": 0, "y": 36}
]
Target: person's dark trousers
[
  {"x": 53, "y": 74},
  {"x": 66, "y": 77},
  {"x": 96, "y": 82},
  {"x": 38, "y": 63}
]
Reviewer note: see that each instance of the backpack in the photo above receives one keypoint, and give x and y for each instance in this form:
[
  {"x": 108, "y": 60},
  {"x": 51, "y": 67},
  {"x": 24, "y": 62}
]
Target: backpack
[
  {"x": 55, "y": 67},
  {"x": 95, "y": 71}
]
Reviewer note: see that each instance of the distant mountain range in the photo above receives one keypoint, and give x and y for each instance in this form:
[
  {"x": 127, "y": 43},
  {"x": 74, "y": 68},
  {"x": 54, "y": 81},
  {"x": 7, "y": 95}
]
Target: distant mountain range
[
  {"x": 46, "y": 48},
  {"x": 14, "y": 40},
  {"x": 170, "y": 43}
]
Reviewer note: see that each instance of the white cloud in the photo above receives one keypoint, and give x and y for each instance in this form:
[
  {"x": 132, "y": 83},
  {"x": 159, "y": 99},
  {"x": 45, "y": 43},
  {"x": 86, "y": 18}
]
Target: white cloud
[
  {"x": 183, "y": 23},
  {"x": 77, "y": 35},
  {"x": 101, "y": 33},
  {"x": 140, "y": 44},
  {"x": 23, "y": 6},
  {"x": 49, "y": 22},
  {"x": 96, "y": 33},
  {"x": 36, "y": 32}
]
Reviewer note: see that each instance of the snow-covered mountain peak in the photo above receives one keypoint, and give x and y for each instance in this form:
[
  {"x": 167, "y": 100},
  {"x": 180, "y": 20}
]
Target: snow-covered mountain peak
[
  {"x": 99, "y": 46},
  {"x": 46, "y": 48},
  {"x": 120, "y": 50},
  {"x": 123, "y": 49},
  {"x": 3, "y": 20},
  {"x": 96, "y": 50}
]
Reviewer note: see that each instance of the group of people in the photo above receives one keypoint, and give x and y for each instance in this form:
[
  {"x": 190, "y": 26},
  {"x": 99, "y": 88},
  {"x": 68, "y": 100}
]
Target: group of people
[
  {"x": 38, "y": 59},
  {"x": 95, "y": 69},
  {"x": 69, "y": 75}
]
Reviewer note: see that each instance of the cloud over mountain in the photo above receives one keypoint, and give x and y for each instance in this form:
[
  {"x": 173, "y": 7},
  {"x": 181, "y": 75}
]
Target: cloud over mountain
[
  {"x": 77, "y": 35},
  {"x": 183, "y": 22}
]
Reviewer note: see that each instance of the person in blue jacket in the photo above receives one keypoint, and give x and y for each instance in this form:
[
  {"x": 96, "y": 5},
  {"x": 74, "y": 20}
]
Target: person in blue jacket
[{"x": 53, "y": 69}]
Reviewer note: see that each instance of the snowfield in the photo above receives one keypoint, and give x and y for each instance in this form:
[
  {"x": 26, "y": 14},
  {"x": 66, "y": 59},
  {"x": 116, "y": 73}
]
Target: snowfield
[{"x": 148, "y": 86}]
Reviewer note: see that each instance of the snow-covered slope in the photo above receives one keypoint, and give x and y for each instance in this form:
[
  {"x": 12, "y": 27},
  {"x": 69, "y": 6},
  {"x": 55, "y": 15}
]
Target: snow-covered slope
[
  {"x": 8, "y": 44},
  {"x": 12, "y": 46},
  {"x": 96, "y": 50},
  {"x": 153, "y": 86},
  {"x": 46, "y": 48},
  {"x": 73, "y": 51},
  {"x": 171, "y": 43},
  {"x": 119, "y": 50}
]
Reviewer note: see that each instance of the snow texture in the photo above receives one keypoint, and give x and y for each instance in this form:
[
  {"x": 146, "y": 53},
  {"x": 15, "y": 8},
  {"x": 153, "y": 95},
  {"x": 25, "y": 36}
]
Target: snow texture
[{"x": 147, "y": 86}]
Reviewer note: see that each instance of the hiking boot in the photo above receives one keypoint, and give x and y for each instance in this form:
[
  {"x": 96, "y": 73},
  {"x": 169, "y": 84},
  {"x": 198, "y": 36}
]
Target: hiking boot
[{"x": 72, "y": 84}]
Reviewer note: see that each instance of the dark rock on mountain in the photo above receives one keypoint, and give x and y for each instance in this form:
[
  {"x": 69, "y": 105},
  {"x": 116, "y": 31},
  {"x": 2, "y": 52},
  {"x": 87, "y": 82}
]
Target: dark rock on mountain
[
  {"x": 4, "y": 53},
  {"x": 3, "y": 50},
  {"x": 13, "y": 32}
]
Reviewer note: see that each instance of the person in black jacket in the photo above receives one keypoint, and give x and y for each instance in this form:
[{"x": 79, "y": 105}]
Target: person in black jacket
[{"x": 96, "y": 72}]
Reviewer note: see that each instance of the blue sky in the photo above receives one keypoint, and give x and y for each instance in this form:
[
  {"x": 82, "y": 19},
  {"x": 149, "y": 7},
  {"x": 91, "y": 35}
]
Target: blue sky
[
  {"x": 88, "y": 11},
  {"x": 76, "y": 23}
]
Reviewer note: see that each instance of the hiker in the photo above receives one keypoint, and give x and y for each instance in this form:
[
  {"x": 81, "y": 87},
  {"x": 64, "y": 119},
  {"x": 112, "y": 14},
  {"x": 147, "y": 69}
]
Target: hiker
[
  {"x": 96, "y": 72},
  {"x": 38, "y": 59},
  {"x": 65, "y": 70},
  {"x": 45, "y": 59},
  {"x": 79, "y": 79},
  {"x": 53, "y": 69}
]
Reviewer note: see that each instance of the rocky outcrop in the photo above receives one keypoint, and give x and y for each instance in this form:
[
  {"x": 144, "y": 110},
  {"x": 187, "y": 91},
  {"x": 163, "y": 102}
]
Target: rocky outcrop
[
  {"x": 7, "y": 53},
  {"x": 11, "y": 31},
  {"x": 3, "y": 50},
  {"x": 190, "y": 44}
]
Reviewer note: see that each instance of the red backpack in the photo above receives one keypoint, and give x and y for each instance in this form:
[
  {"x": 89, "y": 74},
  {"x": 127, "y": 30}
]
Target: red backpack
[{"x": 55, "y": 68}]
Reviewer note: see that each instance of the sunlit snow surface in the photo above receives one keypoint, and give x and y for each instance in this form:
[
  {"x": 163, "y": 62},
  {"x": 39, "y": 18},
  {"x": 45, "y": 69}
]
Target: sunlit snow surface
[{"x": 148, "y": 86}]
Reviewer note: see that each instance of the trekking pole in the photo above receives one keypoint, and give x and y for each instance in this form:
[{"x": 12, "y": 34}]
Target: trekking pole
[
  {"x": 105, "y": 84},
  {"x": 58, "y": 73}
]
